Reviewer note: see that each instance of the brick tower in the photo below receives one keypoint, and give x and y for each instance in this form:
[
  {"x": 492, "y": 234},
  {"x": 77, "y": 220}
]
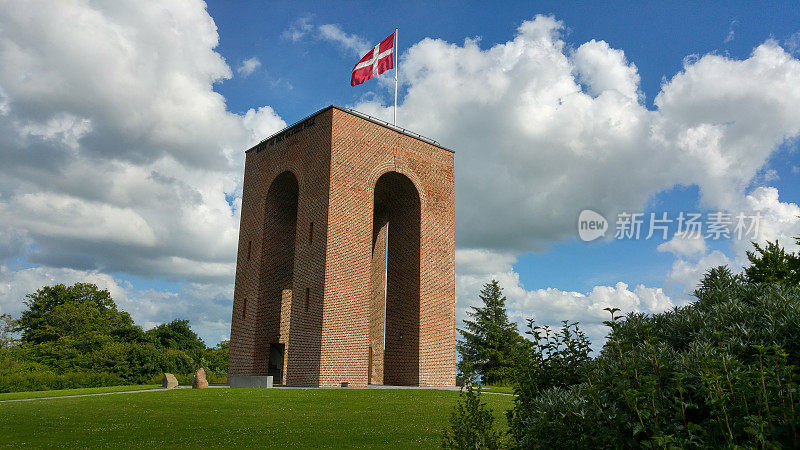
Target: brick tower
[{"x": 346, "y": 269}]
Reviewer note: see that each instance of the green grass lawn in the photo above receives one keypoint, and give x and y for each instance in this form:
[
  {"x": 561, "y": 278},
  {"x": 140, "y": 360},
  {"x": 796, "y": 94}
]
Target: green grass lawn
[
  {"x": 383, "y": 418},
  {"x": 499, "y": 389},
  {"x": 64, "y": 392}
]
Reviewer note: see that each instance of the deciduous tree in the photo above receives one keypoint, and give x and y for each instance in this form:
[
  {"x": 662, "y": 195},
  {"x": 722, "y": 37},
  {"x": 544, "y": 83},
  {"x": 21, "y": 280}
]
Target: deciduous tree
[
  {"x": 74, "y": 311},
  {"x": 176, "y": 334}
]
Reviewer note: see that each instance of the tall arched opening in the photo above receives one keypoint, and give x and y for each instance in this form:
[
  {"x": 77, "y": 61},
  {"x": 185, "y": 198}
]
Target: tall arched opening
[
  {"x": 395, "y": 282},
  {"x": 277, "y": 275}
]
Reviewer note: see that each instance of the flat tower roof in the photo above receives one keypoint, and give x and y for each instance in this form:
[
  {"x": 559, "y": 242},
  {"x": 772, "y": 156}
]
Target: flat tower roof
[{"x": 366, "y": 117}]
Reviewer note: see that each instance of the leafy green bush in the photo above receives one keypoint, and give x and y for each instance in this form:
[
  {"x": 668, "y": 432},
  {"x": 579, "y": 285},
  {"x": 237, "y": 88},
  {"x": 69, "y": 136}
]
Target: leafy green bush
[
  {"x": 137, "y": 363},
  {"x": 553, "y": 359},
  {"x": 718, "y": 373},
  {"x": 471, "y": 423}
]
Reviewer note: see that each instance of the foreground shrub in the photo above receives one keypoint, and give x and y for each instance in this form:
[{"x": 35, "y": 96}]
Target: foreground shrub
[
  {"x": 718, "y": 373},
  {"x": 553, "y": 359},
  {"x": 471, "y": 423}
]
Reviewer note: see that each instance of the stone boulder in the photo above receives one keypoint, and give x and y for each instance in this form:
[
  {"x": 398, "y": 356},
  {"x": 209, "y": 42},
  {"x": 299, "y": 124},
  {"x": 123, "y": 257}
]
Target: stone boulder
[
  {"x": 199, "y": 380},
  {"x": 169, "y": 381}
]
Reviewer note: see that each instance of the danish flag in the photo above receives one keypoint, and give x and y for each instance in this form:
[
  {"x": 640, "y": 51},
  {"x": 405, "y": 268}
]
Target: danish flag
[{"x": 375, "y": 62}]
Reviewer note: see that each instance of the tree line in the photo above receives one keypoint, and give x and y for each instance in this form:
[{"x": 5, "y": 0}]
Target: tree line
[{"x": 75, "y": 336}]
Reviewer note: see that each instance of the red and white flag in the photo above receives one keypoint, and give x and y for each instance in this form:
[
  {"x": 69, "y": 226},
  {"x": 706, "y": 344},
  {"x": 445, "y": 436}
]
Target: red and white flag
[{"x": 375, "y": 62}]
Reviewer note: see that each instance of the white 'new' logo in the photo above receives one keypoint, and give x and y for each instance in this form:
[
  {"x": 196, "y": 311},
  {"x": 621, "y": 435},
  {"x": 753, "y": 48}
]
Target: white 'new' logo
[{"x": 591, "y": 225}]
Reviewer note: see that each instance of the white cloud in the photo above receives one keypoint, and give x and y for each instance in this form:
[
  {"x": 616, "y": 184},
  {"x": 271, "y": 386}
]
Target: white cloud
[
  {"x": 13, "y": 242},
  {"x": 248, "y": 66},
  {"x": 4, "y": 107},
  {"x": 731, "y": 34},
  {"x": 549, "y": 306},
  {"x": 602, "y": 69},
  {"x": 542, "y": 132},
  {"x": 62, "y": 128},
  {"x": 298, "y": 29},
  {"x": 776, "y": 221},
  {"x": 262, "y": 122},
  {"x": 351, "y": 43},
  {"x": 770, "y": 175},
  {"x": 792, "y": 43},
  {"x": 684, "y": 244},
  {"x": 118, "y": 155},
  {"x": 98, "y": 222},
  {"x": 684, "y": 275},
  {"x": 14, "y": 285}
]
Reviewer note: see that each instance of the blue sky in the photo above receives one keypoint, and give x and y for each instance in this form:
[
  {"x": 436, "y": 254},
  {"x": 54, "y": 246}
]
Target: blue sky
[
  {"x": 127, "y": 124},
  {"x": 657, "y": 36}
]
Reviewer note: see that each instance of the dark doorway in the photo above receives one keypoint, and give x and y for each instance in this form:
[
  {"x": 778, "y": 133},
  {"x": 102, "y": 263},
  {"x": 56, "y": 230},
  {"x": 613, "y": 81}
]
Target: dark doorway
[
  {"x": 275, "y": 368},
  {"x": 369, "y": 366},
  {"x": 395, "y": 280}
]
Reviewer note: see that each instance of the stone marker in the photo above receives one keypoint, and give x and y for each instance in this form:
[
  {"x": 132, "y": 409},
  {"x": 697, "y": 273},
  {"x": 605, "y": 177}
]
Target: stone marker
[
  {"x": 199, "y": 380},
  {"x": 169, "y": 381}
]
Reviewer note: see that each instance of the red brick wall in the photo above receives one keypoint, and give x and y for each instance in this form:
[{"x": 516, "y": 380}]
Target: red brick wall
[
  {"x": 380, "y": 227},
  {"x": 306, "y": 155},
  {"x": 276, "y": 266},
  {"x": 337, "y": 162}
]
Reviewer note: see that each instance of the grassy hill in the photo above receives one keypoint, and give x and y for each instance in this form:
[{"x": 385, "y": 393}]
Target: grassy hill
[{"x": 375, "y": 418}]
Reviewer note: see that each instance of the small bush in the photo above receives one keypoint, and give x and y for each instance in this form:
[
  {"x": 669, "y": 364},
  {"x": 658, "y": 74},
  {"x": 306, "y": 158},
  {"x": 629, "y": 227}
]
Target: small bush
[{"x": 471, "y": 423}]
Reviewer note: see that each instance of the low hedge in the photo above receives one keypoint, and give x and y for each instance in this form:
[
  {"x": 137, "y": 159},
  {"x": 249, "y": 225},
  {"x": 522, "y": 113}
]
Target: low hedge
[{"x": 45, "y": 381}]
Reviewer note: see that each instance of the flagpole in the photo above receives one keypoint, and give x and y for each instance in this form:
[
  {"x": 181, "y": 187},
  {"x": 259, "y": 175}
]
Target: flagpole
[{"x": 395, "y": 76}]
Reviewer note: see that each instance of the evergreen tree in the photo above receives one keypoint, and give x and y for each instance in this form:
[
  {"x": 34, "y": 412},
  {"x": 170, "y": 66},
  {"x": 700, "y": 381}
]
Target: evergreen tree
[
  {"x": 489, "y": 342},
  {"x": 772, "y": 264}
]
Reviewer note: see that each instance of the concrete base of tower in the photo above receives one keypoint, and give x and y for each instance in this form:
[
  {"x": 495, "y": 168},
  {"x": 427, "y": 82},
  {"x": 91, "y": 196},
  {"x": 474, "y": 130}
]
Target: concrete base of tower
[{"x": 241, "y": 381}]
